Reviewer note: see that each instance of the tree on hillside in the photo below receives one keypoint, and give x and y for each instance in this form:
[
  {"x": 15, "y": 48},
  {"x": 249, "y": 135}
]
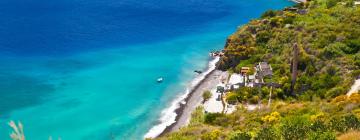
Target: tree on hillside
[{"x": 206, "y": 96}]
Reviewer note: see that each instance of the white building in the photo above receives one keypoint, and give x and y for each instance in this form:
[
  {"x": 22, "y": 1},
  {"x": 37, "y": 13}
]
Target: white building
[{"x": 235, "y": 81}]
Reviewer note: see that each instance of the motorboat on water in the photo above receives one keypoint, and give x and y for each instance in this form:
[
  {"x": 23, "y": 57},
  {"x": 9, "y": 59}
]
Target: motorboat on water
[{"x": 160, "y": 79}]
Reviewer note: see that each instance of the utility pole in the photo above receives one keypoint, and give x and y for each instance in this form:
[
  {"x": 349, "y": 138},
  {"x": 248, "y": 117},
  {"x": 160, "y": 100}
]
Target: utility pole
[
  {"x": 294, "y": 68},
  {"x": 271, "y": 90}
]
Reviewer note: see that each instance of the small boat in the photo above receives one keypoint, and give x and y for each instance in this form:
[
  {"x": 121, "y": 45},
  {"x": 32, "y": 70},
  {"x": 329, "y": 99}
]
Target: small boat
[{"x": 159, "y": 80}]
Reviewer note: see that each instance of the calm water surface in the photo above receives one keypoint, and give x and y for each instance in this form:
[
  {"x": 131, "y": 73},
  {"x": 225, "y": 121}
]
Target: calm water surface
[{"x": 87, "y": 69}]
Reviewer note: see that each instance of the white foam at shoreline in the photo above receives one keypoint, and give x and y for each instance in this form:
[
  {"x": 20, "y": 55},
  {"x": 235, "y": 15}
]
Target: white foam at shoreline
[{"x": 168, "y": 115}]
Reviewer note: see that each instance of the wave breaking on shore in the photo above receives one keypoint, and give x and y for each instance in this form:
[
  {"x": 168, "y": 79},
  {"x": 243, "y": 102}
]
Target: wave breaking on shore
[{"x": 168, "y": 115}]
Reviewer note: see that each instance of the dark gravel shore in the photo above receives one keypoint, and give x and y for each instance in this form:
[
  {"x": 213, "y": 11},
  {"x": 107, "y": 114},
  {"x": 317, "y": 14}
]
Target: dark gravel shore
[{"x": 193, "y": 100}]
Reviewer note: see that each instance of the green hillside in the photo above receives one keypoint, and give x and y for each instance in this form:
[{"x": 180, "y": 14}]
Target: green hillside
[{"x": 312, "y": 104}]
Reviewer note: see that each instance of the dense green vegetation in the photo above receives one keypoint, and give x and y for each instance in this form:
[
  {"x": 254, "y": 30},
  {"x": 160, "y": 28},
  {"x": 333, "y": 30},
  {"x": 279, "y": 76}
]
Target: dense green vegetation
[
  {"x": 206, "y": 95},
  {"x": 327, "y": 33},
  {"x": 316, "y": 120}
]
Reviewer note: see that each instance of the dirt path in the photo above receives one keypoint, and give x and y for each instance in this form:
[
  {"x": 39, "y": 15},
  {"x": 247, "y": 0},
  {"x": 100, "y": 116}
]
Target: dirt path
[{"x": 354, "y": 88}]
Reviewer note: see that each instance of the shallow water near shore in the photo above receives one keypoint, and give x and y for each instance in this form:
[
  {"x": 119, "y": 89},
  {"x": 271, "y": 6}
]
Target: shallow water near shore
[{"x": 88, "y": 69}]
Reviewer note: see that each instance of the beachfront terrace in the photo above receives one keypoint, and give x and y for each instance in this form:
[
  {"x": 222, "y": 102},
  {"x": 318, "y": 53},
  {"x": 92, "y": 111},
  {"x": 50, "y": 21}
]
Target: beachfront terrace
[{"x": 249, "y": 77}]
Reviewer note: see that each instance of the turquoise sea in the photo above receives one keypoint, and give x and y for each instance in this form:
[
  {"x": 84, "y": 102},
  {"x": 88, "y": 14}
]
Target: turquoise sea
[{"x": 87, "y": 69}]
